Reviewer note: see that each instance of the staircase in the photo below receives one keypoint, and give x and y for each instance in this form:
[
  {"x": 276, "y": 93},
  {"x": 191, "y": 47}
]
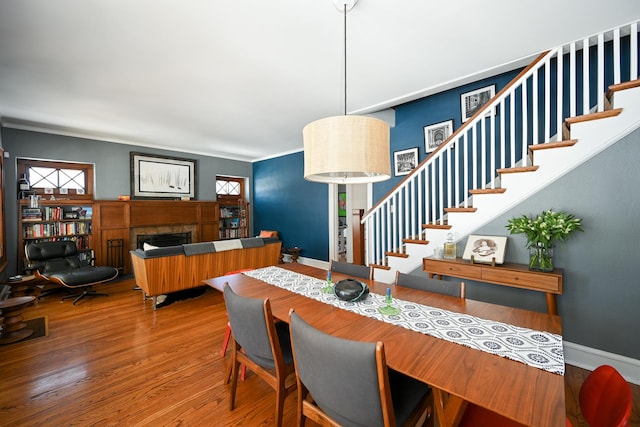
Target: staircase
[{"x": 552, "y": 117}]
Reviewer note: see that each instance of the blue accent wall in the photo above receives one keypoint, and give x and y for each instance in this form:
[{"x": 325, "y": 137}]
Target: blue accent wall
[{"x": 296, "y": 208}]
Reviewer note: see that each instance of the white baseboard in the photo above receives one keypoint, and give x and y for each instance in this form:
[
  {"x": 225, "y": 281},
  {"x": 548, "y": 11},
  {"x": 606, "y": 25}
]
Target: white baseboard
[
  {"x": 314, "y": 262},
  {"x": 590, "y": 358}
]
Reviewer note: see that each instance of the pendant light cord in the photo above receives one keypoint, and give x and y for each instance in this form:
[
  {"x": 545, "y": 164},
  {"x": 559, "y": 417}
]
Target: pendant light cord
[{"x": 345, "y": 58}]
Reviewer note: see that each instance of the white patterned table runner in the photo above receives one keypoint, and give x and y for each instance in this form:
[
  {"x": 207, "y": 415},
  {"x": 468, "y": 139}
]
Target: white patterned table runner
[{"x": 539, "y": 349}]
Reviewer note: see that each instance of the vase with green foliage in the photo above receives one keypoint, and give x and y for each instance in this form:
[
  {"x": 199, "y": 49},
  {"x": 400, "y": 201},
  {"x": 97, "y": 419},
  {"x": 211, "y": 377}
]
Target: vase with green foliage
[{"x": 542, "y": 232}]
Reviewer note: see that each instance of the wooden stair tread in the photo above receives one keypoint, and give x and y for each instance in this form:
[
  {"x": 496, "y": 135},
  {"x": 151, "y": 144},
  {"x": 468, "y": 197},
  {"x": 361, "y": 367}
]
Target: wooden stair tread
[
  {"x": 437, "y": 226},
  {"x": 397, "y": 254},
  {"x": 622, "y": 86},
  {"x": 416, "y": 241},
  {"x": 488, "y": 191},
  {"x": 460, "y": 209},
  {"x": 382, "y": 267},
  {"x": 518, "y": 169},
  {"x": 592, "y": 116},
  {"x": 555, "y": 144}
]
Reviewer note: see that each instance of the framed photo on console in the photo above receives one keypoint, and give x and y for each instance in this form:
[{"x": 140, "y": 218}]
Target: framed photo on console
[
  {"x": 162, "y": 177},
  {"x": 484, "y": 249}
]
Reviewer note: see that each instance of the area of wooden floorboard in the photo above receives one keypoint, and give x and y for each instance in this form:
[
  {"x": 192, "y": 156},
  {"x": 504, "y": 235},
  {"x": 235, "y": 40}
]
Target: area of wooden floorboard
[{"x": 114, "y": 361}]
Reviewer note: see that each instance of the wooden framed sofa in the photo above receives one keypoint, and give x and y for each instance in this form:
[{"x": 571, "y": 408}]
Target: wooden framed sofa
[{"x": 159, "y": 271}]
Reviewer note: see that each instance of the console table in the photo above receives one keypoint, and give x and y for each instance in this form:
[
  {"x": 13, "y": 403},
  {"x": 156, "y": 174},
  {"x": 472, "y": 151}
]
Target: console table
[{"x": 507, "y": 274}]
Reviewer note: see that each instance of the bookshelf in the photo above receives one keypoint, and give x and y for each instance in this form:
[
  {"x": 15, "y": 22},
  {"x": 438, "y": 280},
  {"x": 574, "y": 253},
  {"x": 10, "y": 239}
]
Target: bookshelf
[
  {"x": 234, "y": 219},
  {"x": 55, "y": 220}
]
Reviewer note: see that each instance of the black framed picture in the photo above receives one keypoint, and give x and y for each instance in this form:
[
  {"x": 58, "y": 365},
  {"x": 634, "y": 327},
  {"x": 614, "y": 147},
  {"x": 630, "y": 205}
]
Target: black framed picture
[
  {"x": 162, "y": 177},
  {"x": 405, "y": 160},
  {"x": 473, "y": 101},
  {"x": 436, "y": 134}
]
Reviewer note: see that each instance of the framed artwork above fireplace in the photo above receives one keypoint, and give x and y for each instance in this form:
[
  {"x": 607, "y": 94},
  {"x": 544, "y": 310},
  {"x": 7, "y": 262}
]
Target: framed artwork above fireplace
[{"x": 162, "y": 177}]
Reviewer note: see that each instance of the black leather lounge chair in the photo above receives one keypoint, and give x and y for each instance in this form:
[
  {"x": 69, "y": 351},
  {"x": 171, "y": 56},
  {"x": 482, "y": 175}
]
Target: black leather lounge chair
[{"x": 59, "y": 262}]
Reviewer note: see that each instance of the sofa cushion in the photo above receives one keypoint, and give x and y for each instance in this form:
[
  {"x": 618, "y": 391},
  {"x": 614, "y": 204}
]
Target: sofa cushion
[
  {"x": 148, "y": 246},
  {"x": 269, "y": 240},
  {"x": 160, "y": 252},
  {"x": 227, "y": 245},
  {"x": 268, "y": 233},
  {"x": 83, "y": 276},
  {"x": 198, "y": 248},
  {"x": 252, "y": 242}
]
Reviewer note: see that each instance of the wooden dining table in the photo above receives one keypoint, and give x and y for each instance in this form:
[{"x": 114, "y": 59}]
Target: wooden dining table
[{"x": 523, "y": 393}]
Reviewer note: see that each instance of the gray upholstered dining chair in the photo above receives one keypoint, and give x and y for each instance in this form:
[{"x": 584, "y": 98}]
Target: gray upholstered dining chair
[
  {"x": 454, "y": 289},
  {"x": 354, "y": 270},
  {"x": 347, "y": 383},
  {"x": 260, "y": 344}
]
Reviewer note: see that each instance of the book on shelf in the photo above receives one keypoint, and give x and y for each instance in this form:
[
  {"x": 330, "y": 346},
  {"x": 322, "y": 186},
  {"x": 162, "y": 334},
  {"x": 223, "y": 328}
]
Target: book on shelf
[
  {"x": 56, "y": 229},
  {"x": 31, "y": 214}
]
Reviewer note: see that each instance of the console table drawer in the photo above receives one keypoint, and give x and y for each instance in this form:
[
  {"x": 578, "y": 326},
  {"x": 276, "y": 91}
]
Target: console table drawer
[
  {"x": 523, "y": 279},
  {"x": 453, "y": 269}
]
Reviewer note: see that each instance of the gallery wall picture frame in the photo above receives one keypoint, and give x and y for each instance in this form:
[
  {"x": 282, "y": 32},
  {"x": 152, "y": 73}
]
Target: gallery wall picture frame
[
  {"x": 436, "y": 134},
  {"x": 484, "y": 249},
  {"x": 405, "y": 161},
  {"x": 162, "y": 177},
  {"x": 470, "y": 102}
]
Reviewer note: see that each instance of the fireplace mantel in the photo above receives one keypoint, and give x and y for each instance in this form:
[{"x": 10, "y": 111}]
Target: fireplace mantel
[{"x": 115, "y": 220}]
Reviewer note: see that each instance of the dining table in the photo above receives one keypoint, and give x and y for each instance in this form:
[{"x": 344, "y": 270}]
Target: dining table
[{"x": 516, "y": 390}]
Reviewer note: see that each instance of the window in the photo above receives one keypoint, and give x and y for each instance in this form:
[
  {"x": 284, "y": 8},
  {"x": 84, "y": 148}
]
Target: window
[
  {"x": 229, "y": 188},
  {"x": 67, "y": 180}
]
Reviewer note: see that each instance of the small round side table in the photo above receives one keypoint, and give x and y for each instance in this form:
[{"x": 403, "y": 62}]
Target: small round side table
[
  {"x": 294, "y": 252},
  {"x": 25, "y": 286},
  {"x": 14, "y": 328}
]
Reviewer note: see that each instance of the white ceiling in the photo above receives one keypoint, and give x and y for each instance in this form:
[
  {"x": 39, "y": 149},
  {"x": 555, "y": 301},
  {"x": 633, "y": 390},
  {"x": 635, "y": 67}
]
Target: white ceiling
[{"x": 240, "y": 79}]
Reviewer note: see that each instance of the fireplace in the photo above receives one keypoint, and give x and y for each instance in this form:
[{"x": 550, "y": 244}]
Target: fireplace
[{"x": 163, "y": 239}]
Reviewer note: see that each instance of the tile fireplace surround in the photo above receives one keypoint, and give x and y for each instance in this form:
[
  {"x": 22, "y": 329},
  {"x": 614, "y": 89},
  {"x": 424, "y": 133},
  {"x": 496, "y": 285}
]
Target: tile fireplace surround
[{"x": 163, "y": 235}]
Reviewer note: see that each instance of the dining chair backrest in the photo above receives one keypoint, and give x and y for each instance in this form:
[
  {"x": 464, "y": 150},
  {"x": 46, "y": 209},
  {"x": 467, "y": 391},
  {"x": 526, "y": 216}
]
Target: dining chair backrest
[
  {"x": 354, "y": 270},
  {"x": 251, "y": 327},
  {"x": 455, "y": 289},
  {"x": 605, "y": 398},
  {"x": 349, "y": 381}
]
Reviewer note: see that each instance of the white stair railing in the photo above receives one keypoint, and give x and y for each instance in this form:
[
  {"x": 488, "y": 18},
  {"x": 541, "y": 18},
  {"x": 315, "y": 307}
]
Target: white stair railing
[{"x": 566, "y": 81}]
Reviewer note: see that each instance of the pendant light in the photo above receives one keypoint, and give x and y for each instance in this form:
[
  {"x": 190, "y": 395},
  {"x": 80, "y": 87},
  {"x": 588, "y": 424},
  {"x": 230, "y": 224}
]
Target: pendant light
[{"x": 346, "y": 149}]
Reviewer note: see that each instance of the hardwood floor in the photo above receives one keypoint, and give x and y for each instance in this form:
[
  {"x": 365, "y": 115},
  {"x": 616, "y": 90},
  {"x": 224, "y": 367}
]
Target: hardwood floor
[{"x": 114, "y": 361}]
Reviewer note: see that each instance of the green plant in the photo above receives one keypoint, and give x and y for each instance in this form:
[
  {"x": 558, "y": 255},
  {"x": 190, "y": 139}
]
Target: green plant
[
  {"x": 546, "y": 228},
  {"x": 543, "y": 231}
]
